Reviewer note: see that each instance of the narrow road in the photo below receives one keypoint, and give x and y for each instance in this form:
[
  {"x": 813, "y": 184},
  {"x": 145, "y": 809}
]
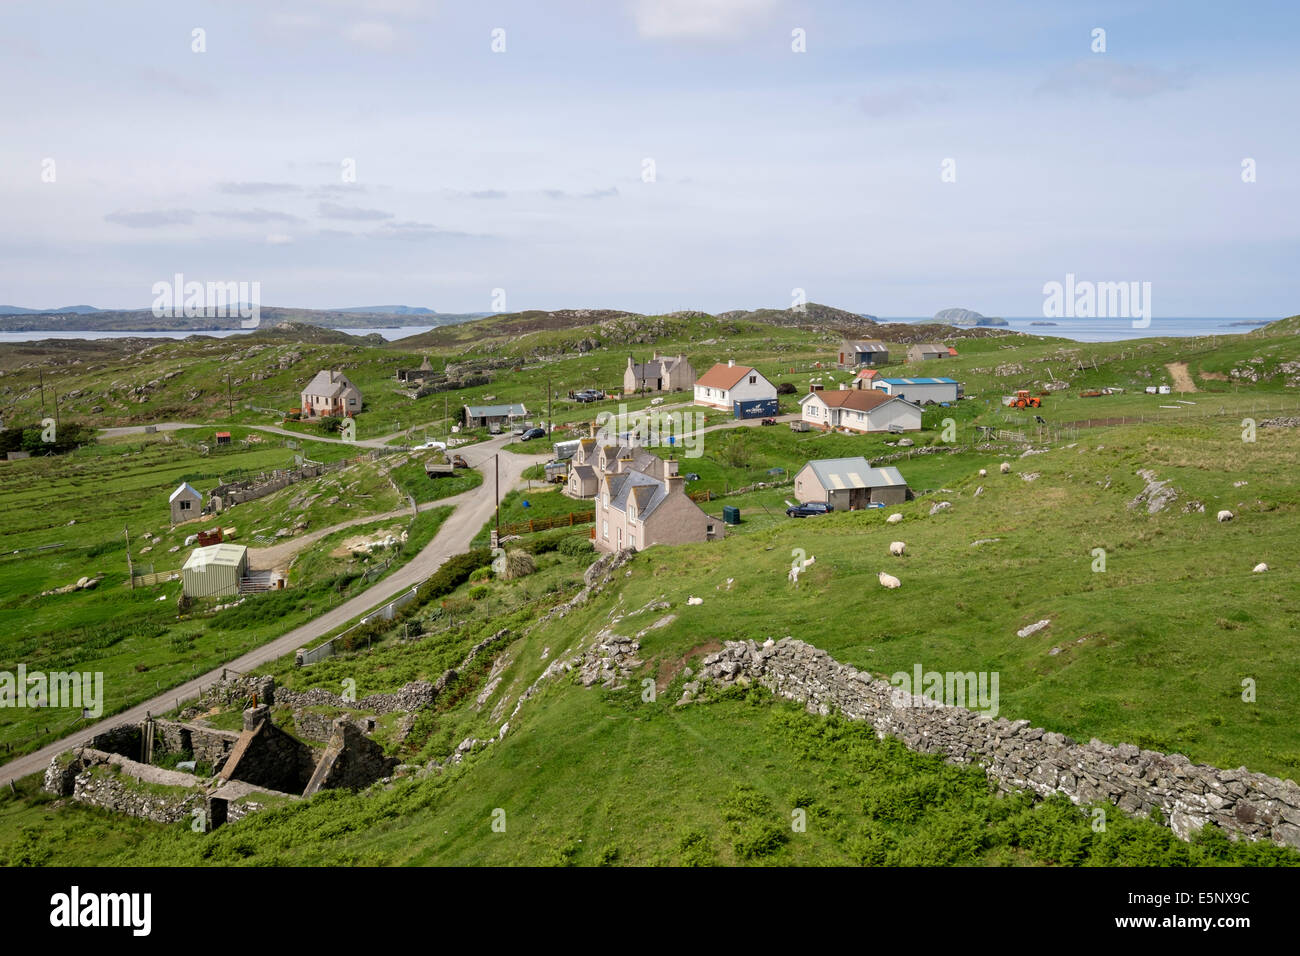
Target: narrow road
[{"x": 473, "y": 508}]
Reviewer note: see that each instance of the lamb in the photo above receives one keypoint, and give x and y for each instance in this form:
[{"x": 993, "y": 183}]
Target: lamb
[
  {"x": 1225, "y": 516},
  {"x": 1261, "y": 567},
  {"x": 889, "y": 581},
  {"x": 695, "y": 600},
  {"x": 894, "y": 519},
  {"x": 983, "y": 473},
  {"x": 1006, "y": 467},
  {"x": 896, "y": 548}
]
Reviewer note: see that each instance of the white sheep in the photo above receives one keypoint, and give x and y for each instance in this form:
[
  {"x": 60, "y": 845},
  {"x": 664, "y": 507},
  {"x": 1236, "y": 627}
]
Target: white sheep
[
  {"x": 794, "y": 574},
  {"x": 1261, "y": 567},
  {"x": 889, "y": 581},
  {"x": 1225, "y": 516},
  {"x": 983, "y": 473},
  {"x": 1006, "y": 467},
  {"x": 896, "y": 548},
  {"x": 894, "y": 519},
  {"x": 695, "y": 600},
  {"x": 809, "y": 563}
]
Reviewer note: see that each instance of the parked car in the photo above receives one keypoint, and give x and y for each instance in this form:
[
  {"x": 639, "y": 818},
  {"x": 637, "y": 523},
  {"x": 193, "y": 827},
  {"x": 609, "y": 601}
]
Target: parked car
[
  {"x": 809, "y": 509},
  {"x": 769, "y": 421},
  {"x": 533, "y": 433},
  {"x": 431, "y": 446}
]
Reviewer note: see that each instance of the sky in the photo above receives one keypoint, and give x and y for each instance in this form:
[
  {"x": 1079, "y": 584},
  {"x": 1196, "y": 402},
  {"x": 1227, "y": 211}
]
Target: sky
[{"x": 651, "y": 155}]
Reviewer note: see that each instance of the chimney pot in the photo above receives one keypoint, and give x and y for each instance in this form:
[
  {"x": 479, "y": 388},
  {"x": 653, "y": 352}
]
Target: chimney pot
[{"x": 731, "y": 363}]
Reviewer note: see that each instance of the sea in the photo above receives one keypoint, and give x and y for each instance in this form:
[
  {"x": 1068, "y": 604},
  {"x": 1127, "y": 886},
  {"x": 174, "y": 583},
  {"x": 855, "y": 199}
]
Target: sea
[{"x": 1078, "y": 330}]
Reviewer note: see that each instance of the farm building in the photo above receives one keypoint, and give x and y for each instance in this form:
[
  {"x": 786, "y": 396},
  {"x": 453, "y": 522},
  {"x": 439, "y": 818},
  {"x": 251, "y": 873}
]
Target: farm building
[
  {"x": 663, "y": 373},
  {"x": 493, "y": 416},
  {"x": 860, "y": 410},
  {"x": 724, "y": 385},
  {"x": 864, "y": 378},
  {"x": 920, "y": 391},
  {"x": 635, "y": 510},
  {"x": 869, "y": 352},
  {"x": 330, "y": 394},
  {"x": 930, "y": 350},
  {"x": 849, "y": 483},
  {"x": 214, "y": 571},
  {"x": 186, "y": 502}
]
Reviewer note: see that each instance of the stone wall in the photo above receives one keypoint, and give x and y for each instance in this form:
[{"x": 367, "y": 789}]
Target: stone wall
[
  {"x": 112, "y": 782},
  {"x": 124, "y": 739},
  {"x": 204, "y": 743},
  {"x": 265, "y": 756},
  {"x": 351, "y": 760},
  {"x": 1017, "y": 756}
]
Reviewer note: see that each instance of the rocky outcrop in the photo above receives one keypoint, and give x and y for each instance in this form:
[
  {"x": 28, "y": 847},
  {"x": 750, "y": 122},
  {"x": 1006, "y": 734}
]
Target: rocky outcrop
[{"x": 1017, "y": 756}]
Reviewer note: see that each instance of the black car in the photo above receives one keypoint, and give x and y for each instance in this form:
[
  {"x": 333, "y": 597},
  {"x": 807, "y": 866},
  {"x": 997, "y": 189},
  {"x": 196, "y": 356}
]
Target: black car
[
  {"x": 809, "y": 509},
  {"x": 533, "y": 433},
  {"x": 691, "y": 476}
]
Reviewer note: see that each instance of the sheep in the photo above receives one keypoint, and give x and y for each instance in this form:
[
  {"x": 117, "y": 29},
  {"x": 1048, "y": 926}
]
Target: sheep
[
  {"x": 896, "y": 548},
  {"x": 1006, "y": 467},
  {"x": 794, "y": 574},
  {"x": 983, "y": 473},
  {"x": 695, "y": 600},
  {"x": 1261, "y": 567},
  {"x": 894, "y": 519},
  {"x": 1225, "y": 515},
  {"x": 889, "y": 581}
]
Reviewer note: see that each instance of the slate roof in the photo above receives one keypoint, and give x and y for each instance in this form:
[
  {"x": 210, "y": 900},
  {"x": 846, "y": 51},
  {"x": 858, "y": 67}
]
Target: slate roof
[
  {"x": 623, "y": 485},
  {"x": 495, "y": 411},
  {"x": 321, "y": 384}
]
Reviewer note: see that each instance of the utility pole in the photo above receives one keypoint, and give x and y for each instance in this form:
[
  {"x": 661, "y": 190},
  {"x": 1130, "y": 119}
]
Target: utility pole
[
  {"x": 549, "y": 425},
  {"x": 41, "y": 372},
  {"x": 57, "y": 424},
  {"x": 230, "y": 406},
  {"x": 130, "y": 572},
  {"x": 496, "y": 471}
]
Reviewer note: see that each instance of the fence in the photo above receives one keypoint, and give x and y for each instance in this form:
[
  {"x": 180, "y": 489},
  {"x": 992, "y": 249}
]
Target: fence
[
  {"x": 310, "y": 655},
  {"x": 546, "y": 524}
]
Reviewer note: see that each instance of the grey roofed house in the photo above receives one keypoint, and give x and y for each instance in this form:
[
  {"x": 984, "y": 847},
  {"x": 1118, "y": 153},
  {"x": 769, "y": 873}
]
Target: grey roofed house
[
  {"x": 186, "y": 502},
  {"x": 863, "y": 352},
  {"x": 849, "y": 483},
  {"x": 477, "y": 416}
]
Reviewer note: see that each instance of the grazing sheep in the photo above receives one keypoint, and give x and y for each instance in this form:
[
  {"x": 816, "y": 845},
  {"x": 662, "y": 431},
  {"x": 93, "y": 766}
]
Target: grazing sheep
[
  {"x": 1225, "y": 516},
  {"x": 896, "y": 548},
  {"x": 695, "y": 600},
  {"x": 889, "y": 581},
  {"x": 1006, "y": 467},
  {"x": 894, "y": 519},
  {"x": 983, "y": 473},
  {"x": 809, "y": 563},
  {"x": 1261, "y": 567},
  {"x": 794, "y": 574}
]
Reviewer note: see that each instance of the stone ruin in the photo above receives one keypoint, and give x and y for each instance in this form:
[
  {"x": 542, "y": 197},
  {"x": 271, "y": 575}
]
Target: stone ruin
[{"x": 258, "y": 767}]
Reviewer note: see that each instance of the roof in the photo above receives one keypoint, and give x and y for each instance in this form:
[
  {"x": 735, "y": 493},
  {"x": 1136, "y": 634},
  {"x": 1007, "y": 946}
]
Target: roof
[
  {"x": 868, "y": 373},
  {"x": 585, "y": 472},
  {"x": 837, "y": 473},
  {"x": 867, "y": 345},
  {"x": 185, "y": 486},
  {"x": 222, "y": 555},
  {"x": 494, "y": 411},
  {"x": 646, "y": 491},
  {"x": 854, "y": 398},
  {"x": 931, "y": 347},
  {"x": 723, "y": 376},
  {"x": 920, "y": 381},
  {"x": 322, "y": 385},
  {"x": 660, "y": 365}
]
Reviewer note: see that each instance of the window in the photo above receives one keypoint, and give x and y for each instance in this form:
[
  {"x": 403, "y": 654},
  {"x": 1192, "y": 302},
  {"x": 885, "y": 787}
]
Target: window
[
  {"x": 604, "y": 530},
  {"x": 753, "y": 380},
  {"x": 185, "y": 506}
]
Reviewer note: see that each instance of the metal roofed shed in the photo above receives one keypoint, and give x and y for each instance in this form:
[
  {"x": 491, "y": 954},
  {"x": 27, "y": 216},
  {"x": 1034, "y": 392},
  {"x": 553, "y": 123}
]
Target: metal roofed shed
[
  {"x": 214, "y": 571},
  {"x": 920, "y": 391},
  {"x": 849, "y": 483}
]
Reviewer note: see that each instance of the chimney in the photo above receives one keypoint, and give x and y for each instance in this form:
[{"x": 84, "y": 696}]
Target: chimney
[
  {"x": 670, "y": 466},
  {"x": 843, "y": 386},
  {"x": 629, "y": 361},
  {"x": 676, "y": 484},
  {"x": 731, "y": 363}
]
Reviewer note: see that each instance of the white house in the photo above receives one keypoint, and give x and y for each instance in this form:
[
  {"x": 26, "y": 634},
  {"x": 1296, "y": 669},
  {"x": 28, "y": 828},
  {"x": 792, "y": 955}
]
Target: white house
[
  {"x": 920, "y": 391},
  {"x": 723, "y": 385},
  {"x": 860, "y": 410}
]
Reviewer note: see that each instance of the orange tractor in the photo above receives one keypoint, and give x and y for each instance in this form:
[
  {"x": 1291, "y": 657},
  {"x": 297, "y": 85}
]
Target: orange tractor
[{"x": 1022, "y": 399}]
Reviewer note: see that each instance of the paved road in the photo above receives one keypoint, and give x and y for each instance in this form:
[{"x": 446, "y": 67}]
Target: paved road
[{"x": 473, "y": 508}]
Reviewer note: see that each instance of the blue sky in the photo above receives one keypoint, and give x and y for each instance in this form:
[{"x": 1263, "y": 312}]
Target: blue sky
[{"x": 522, "y": 170}]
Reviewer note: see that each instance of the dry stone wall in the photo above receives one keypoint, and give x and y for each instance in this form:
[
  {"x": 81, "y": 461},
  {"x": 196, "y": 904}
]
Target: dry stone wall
[{"x": 1017, "y": 756}]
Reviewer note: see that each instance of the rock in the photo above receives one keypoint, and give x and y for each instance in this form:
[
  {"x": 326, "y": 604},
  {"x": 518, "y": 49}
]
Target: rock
[
  {"x": 1033, "y": 628},
  {"x": 894, "y": 519},
  {"x": 940, "y": 506}
]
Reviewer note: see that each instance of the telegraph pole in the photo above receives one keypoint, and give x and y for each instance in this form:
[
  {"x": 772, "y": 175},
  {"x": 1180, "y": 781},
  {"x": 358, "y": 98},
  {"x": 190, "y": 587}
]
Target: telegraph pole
[
  {"x": 496, "y": 471},
  {"x": 130, "y": 572},
  {"x": 548, "y": 410},
  {"x": 41, "y": 372},
  {"x": 230, "y": 406}
]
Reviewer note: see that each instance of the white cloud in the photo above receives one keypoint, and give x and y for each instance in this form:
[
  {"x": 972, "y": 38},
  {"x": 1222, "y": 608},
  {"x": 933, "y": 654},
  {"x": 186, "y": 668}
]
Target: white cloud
[
  {"x": 659, "y": 19},
  {"x": 372, "y": 35},
  {"x": 278, "y": 239}
]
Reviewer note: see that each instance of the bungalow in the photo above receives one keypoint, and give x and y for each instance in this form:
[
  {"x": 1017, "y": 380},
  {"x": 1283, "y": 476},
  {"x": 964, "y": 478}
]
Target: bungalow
[
  {"x": 920, "y": 391},
  {"x": 724, "y": 385},
  {"x": 929, "y": 350},
  {"x": 849, "y": 483},
  {"x": 635, "y": 510},
  {"x": 868, "y": 352},
  {"x": 186, "y": 502},
  {"x": 330, "y": 393},
  {"x": 492, "y": 416},
  {"x": 661, "y": 374},
  {"x": 860, "y": 410}
]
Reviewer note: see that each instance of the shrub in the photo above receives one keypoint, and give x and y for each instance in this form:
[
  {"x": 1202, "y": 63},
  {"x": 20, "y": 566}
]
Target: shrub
[
  {"x": 479, "y": 591},
  {"x": 519, "y": 564},
  {"x": 575, "y": 545}
]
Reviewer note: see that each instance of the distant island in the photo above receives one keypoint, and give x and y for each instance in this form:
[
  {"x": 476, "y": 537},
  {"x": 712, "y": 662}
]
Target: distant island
[
  {"x": 966, "y": 317},
  {"x": 1250, "y": 322},
  {"x": 87, "y": 318},
  {"x": 1042, "y": 323}
]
